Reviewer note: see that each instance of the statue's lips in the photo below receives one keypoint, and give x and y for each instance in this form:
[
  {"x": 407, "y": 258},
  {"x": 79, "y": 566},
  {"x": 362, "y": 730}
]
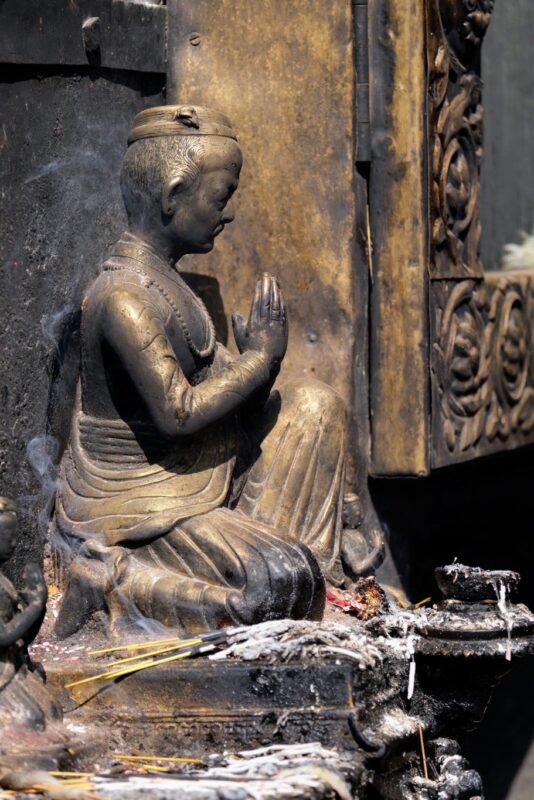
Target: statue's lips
[{"x": 218, "y": 229}]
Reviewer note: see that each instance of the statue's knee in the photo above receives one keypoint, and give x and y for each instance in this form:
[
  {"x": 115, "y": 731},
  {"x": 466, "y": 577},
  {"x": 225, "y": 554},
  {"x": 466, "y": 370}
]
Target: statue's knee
[
  {"x": 312, "y": 397},
  {"x": 295, "y": 589},
  {"x": 260, "y": 601}
]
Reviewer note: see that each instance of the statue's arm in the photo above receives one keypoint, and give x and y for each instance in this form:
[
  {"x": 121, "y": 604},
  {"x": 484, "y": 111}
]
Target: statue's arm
[
  {"x": 259, "y": 398},
  {"x": 21, "y": 623},
  {"x": 137, "y": 334},
  {"x": 34, "y": 595}
]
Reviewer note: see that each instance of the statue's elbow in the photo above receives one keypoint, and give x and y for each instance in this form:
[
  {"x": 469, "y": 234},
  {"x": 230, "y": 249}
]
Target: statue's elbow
[
  {"x": 189, "y": 425},
  {"x": 174, "y": 423},
  {"x": 189, "y": 422}
]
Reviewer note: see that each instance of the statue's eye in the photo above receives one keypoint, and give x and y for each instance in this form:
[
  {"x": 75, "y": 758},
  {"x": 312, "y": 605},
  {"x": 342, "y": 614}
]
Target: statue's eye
[{"x": 223, "y": 200}]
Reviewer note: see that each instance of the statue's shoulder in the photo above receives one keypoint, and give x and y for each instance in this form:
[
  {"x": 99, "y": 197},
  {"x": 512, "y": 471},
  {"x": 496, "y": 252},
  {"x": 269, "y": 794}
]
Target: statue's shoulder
[{"x": 121, "y": 295}]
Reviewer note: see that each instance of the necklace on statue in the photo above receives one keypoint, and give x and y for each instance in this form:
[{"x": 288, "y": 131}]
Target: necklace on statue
[{"x": 208, "y": 322}]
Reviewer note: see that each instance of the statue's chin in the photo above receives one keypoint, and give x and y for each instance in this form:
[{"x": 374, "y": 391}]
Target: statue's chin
[
  {"x": 193, "y": 249},
  {"x": 206, "y": 247}
]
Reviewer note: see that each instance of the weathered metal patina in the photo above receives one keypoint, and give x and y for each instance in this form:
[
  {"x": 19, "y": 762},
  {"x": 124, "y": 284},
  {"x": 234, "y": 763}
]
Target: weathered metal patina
[{"x": 188, "y": 492}]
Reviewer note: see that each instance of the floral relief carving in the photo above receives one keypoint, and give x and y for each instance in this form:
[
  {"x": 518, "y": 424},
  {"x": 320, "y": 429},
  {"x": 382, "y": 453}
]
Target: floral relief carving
[
  {"x": 478, "y": 16},
  {"x": 463, "y": 365},
  {"x": 468, "y": 19},
  {"x": 456, "y": 118},
  {"x": 482, "y": 372},
  {"x": 513, "y": 342},
  {"x": 482, "y": 324},
  {"x": 456, "y": 167}
]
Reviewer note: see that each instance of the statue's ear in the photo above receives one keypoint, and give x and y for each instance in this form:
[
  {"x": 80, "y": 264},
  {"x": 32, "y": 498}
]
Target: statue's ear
[{"x": 169, "y": 196}]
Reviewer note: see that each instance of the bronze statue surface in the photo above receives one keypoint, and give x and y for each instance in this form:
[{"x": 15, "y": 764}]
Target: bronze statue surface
[
  {"x": 24, "y": 700},
  {"x": 190, "y": 493}
]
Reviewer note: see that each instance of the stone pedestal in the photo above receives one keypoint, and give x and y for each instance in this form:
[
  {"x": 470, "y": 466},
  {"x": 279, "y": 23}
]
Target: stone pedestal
[{"x": 200, "y": 707}]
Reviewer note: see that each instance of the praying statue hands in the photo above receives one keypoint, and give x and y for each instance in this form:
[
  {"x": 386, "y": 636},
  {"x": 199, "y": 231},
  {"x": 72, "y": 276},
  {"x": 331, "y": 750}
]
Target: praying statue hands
[{"x": 266, "y": 328}]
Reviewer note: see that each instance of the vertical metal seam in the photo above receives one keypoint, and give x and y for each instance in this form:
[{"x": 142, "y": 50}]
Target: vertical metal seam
[{"x": 361, "y": 66}]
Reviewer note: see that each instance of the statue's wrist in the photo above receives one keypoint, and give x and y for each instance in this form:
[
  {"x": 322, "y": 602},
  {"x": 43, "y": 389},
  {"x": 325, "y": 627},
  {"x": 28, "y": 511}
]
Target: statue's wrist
[{"x": 263, "y": 362}]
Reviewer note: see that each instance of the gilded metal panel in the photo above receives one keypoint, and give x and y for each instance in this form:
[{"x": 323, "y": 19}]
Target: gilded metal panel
[
  {"x": 399, "y": 360},
  {"x": 283, "y": 72}
]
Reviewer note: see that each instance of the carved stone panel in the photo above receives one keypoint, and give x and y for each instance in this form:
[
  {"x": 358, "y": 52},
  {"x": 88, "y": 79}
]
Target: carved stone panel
[
  {"x": 482, "y": 366},
  {"x": 455, "y": 145}
]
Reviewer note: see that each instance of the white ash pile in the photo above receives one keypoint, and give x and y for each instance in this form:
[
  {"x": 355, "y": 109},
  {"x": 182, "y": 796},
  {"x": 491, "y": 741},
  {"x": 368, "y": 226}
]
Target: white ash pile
[
  {"x": 281, "y": 772},
  {"x": 290, "y": 640}
]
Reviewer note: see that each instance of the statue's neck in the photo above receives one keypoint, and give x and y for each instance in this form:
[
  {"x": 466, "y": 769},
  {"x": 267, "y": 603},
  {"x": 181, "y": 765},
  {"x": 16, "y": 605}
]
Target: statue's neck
[
  {"x": 139, "y": 250},
  {"x": 154, "y": 250},
  {"x": 155, "y": 246}
]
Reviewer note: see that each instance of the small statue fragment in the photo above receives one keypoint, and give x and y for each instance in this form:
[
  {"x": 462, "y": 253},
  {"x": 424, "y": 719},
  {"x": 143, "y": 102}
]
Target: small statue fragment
[
  {"x": 24, "y": 699},
  {"x": 190, "y": 493}
]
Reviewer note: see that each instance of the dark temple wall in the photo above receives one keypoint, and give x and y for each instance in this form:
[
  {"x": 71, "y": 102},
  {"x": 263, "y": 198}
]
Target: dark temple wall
[
  {"x": 62, "y": 135},
  {"x": 502, "y": 507}
]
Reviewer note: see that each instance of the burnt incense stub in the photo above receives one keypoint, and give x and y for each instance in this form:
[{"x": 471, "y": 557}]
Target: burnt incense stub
[{"x": 190, "y": 492}]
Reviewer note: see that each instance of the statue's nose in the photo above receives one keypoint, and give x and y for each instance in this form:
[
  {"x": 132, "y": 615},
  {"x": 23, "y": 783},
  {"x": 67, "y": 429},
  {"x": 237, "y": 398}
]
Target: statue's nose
[{"x": 229, "y": 213}]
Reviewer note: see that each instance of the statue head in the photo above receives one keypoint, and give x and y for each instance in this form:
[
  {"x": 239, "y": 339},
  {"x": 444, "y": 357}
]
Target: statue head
[
  {"x": 8, "y": 528},
  {"x": 178, "y": 177}
]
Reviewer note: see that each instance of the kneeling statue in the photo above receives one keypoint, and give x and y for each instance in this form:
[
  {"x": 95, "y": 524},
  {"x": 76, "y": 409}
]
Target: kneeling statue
[{"x": 189, "y": 492}]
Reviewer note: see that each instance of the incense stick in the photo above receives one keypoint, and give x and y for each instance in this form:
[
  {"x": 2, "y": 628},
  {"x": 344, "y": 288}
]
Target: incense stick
[
  {"x": 141, "y": 645},
  {"x": 201, "y": 644},
  {"x": 169, "y": 759},
  {"x": 151, "y": 655},
  {"x": 72, "y": 774},
  {"x": 423, "y": 751},
  {"x": 423, "y": 602},
  {"x": 111, "y": 673},
  {"x": 205, "y": 637}
]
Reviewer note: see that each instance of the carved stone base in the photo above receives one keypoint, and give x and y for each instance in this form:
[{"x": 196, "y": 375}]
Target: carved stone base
[{"x": 199, "y": 707}]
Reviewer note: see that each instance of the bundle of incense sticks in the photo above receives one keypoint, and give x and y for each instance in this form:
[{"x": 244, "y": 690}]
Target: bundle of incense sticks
[
  {"x": 155, "y": 652},
  {"x": 148, "y": 763}
]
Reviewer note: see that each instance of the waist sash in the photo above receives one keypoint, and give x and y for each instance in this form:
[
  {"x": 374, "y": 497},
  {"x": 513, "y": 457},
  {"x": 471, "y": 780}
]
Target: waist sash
[{"x": 124, "y": 482}]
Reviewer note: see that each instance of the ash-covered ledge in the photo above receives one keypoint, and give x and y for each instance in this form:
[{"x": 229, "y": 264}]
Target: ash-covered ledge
[{"x": 379, "y": 702}]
